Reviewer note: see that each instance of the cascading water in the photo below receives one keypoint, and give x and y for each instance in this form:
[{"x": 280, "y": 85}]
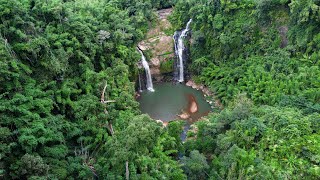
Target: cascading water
[
  {"x": 179, "y": 50},
  {"x": 148, "y": 73}
]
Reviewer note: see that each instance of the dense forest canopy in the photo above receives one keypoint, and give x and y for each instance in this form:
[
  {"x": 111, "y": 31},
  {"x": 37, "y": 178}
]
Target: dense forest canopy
[
  {"x": 261, "y": 58},
  {"x": 56, "y": 58},
  {"x": 67, "y": 76}
]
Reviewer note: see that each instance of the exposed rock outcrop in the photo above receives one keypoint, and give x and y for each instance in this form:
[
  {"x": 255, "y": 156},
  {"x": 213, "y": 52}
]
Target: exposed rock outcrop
[{"x": 159, "y": 44}]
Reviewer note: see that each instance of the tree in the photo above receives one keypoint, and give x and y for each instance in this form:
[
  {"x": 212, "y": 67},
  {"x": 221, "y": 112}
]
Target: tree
[{"x": 195, "y": 166}]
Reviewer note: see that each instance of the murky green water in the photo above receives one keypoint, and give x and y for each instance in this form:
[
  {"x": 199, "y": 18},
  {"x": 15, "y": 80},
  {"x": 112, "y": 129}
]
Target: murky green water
[{"x": 169, "y": 100}]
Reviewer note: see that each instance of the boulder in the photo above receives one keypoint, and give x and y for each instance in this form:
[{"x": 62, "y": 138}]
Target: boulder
[
  {"x": 193, "y": 107},
  {"x": 192, "y": 104},
  {"x": 164, "y": 124},
  {"x": 189, "y": 83},
  {"x": 143, "y": 46},
  {"x": 184, "y": 115},
  {"x": 154, "y": 62}
]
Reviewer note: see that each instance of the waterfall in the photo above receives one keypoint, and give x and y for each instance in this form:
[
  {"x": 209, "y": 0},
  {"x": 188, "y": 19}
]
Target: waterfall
[
  {"x": 148, "y": 73},
  {"x": 179, "y": 49}
]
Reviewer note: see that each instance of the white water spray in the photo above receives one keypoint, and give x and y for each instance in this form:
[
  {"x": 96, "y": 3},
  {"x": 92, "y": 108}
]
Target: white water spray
[
  {"x": 179, "y": 48},
  {"x": 148, "y": 73}
]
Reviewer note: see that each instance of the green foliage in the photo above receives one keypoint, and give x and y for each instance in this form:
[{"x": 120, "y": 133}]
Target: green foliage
[
  {"x": 30, "y": 167},
  {"x": 148, "y": 54},
  {"x": 143, "y": 144},
  {"x": 268, "y": 50},
  {"x": 265, "y": 142},
  {"x": 161, "y": 4},
  {"x": 195, "y": 166},
  {"x": 56, "y": 57},
  {"x": 166, "y": 66},
  {"x": 175, "y": 129},
  {"x": 169, "y": 31},
  {"x": 237, "y": 48},
  {"x": 265, "y": 79}
]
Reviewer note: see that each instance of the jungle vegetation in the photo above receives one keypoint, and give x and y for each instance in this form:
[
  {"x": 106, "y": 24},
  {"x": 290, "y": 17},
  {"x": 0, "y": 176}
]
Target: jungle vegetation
[
  {"x": 67, "y": 106},
  {"x": 261, "y": 58},
  {"x": 57, "y": 59}
]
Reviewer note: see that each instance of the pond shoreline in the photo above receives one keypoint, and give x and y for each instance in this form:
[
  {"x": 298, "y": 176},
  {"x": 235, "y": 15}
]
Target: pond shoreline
[{"x": 210, "y": 96}]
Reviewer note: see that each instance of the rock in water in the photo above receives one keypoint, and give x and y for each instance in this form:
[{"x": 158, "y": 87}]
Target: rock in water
[
  {"x": 193, "y": 106},
  {"x": 184, "y": 115}
]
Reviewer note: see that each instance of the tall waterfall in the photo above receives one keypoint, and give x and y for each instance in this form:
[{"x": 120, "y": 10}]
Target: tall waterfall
[
  {"x": 148, "y": 73},
  {"x": 179, "y": 49}
]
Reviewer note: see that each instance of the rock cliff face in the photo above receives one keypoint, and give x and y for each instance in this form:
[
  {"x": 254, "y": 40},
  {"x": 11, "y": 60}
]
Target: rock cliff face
[{"x": 159, "y": 44}]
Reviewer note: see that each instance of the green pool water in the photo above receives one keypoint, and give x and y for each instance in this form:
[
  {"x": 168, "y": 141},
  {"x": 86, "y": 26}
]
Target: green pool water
[{"x": 169, "y": 100}]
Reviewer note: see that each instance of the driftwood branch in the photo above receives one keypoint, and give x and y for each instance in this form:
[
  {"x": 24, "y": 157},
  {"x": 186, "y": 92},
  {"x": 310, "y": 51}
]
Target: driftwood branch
[{"x": 108, "y": 101}]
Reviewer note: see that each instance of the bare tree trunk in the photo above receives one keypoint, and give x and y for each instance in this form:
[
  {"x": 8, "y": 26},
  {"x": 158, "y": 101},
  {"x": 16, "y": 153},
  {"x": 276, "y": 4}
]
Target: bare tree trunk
[
  {"x": 111, "y": 128},
  {"x": 127, "y": 170},
  {"x": 104, "y": 102},
  {"x": 103, "y": 92}
]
